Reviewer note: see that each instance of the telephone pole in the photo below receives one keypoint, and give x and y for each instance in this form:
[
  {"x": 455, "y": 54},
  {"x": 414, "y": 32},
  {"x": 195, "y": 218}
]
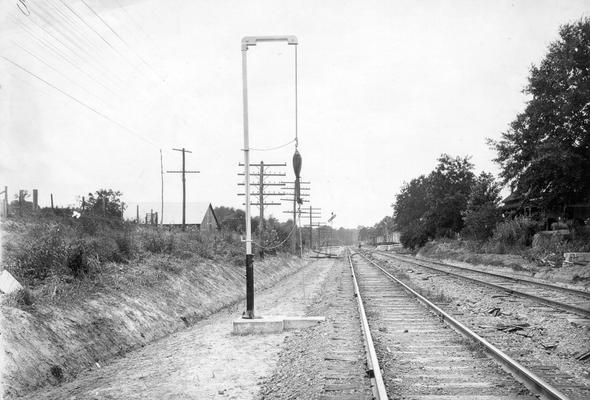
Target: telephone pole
[
  {"x": 183, "y": 172},
  {"x": 261, "y": 184},
  {"x": 294, "y": 194},
  {"x": 161, "y": 189},
  {"x": 312, "y": 213}
]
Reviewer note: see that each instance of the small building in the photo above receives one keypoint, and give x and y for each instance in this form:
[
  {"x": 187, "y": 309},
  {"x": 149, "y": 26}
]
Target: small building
[{"x": 199, "y": 215}]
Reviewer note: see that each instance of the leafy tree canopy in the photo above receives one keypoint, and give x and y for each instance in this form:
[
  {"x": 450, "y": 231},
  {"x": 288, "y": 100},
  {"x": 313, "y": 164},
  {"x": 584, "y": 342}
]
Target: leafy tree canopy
[
  {"x": 483, "y": 212},
  {"x": 545, "y": 154},
  {"x": 431, "y": 206},
  {"x": 105, "y": 202}
]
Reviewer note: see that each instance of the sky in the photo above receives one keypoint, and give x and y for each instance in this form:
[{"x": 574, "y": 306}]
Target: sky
[{"x": 90, "y": 91}]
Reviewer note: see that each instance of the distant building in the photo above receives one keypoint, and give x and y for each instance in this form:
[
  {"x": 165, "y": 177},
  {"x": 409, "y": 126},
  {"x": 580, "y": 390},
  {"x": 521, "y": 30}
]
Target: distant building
[{"x": 199, "y": 215}]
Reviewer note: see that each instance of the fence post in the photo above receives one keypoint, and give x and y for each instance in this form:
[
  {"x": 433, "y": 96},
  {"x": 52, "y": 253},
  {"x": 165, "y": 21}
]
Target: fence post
[
  {"x": 35, "y": 200},
  {"x": 21, "y": 195}
]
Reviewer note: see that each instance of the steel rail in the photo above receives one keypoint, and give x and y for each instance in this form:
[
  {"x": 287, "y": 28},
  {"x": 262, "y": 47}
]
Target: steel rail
[
  {"x": 531, "y": 380},
  {"x": 374, "y": 371},
  {"x": 553, "y": 303},
  {"x": 580, "y": 292}
]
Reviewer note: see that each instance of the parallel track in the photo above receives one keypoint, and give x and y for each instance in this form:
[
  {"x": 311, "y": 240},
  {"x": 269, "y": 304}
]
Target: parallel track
[
  {"x": 428, "y": 361},
  {"x": 568, "y": 299}
]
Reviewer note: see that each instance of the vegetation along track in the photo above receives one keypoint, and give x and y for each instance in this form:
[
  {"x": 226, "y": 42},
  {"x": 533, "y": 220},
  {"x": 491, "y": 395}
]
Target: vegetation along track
[
  {"x": 568, "y": 299},
  {"x": 422, "y": 358}
]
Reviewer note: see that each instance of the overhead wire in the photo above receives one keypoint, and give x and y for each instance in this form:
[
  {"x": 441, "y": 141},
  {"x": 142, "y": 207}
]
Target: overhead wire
[
  {"x": 273, "y": 148},
  {"x": 96, "y": 62},
  {"x": 161, "y": 81},
  {"x": 66, "y": 46},
  {"x": 59, "y": 53},
  {"x": 64, "y": 37},
  {"x": 75, "y": 24},
  {"x": 66, "y": 77},
  {"x": 118, "y": 36},
  {"x": 48, "y": 45},
  {"x": 105, "y": 40},
  {"x": 82, "y": 103}
]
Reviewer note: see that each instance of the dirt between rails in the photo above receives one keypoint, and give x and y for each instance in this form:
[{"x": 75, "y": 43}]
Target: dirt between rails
[
  {"x": 204, "y": 361},
  {"x": 540, "y": 336},
  {"x": 52, "y": 343}
]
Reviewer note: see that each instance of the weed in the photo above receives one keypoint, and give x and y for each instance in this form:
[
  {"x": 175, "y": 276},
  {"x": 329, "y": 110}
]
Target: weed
[
  {"x": 57, "y": 372},
  {"x": 21, "y": 298},
  {"x": 41, "y": 251},
  {"x": 158, "y": 241}
]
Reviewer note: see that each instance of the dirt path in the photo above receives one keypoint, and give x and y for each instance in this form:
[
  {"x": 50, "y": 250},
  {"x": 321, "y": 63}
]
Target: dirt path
[{"x": 205, "y": 361}]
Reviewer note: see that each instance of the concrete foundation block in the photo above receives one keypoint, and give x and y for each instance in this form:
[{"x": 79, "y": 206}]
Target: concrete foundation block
[
  {"x": 577, "y": 258},
  {"x": 302, "y": 322},
  {"x": 258, "y": 325},
  {"x": 273, "y": 324}
]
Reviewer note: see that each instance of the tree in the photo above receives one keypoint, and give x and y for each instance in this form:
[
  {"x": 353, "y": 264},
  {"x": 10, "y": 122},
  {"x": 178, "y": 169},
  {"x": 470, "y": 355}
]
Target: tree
[
  {"x": 545, "y": 153},
  {"x": 483, "y": 212},
  {"x": 448, "y": 189},
  {"x": 431, "y": 206},
  {"x": 231, "y": 219},
  {"x": 106, "y": 202},
  {"x": 411, "y": 202}
]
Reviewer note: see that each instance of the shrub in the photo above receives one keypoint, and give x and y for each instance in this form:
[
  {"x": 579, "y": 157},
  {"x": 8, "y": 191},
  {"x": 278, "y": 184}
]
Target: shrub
[
  {"x": 414, "y": 236},
  {"x": 158, "y": 241},
  {"x": 126, "y": 245},
  {"x": 78, "y": 258},
  {"x": 20, "y": 298},
  {"x": 480, "y": 223},
  {"x": 517, "y": 232},
  {"x": 41, "y": 251}
]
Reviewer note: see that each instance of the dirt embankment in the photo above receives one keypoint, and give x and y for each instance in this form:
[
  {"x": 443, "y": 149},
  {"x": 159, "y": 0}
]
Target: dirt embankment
[
  {"x": 456, "y": 253},
  {"x": 52, "y": 342}
]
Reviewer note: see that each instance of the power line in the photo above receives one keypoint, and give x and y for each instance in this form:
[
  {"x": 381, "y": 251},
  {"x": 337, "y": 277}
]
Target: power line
[
  {"x": 82, "y": 103},
  {"x": 98, "y": 34},
  {"x": 119, "y": 36},
  {"x": 56, "y": 50},
  {"x": 69, "y": 48},
  {"x": 57, "y": 71}
]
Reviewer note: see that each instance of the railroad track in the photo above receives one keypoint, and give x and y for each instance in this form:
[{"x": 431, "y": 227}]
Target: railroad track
[
  {"x": 421, "y": 356},
  {"x": 568, "y": 299}
]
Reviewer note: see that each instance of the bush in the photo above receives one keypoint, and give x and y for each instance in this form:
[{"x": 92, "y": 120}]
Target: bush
[
  {"x": 414, "y": 236},
  {"x": 517, "y": 232},
  {"x": 126, "y": 245},
  {"x": 21, "y": 298},
  {"x": 158, "y": 241},
  {"x": 78, "y": 258},
  {"x": 481, "y": 223},
  {"x": 41, "y": 251}
]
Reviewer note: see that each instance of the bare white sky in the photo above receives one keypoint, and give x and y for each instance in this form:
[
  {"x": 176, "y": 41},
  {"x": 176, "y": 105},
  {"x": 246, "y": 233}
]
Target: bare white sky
[{"x": 385, "y": 87}]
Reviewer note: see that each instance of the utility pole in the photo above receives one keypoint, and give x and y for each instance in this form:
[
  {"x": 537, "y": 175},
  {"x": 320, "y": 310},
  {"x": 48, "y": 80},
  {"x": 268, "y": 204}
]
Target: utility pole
[
  {"x": 183, "y": 172},
  {"x": 35, "y": 200},
  {"x": 262, "y": 173},
  {"x": 161, "y": 189},
  {"x": 5, "y": 203},
  {"x": 294, "y": 194},
  {"x": 312, "y": 213}
]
